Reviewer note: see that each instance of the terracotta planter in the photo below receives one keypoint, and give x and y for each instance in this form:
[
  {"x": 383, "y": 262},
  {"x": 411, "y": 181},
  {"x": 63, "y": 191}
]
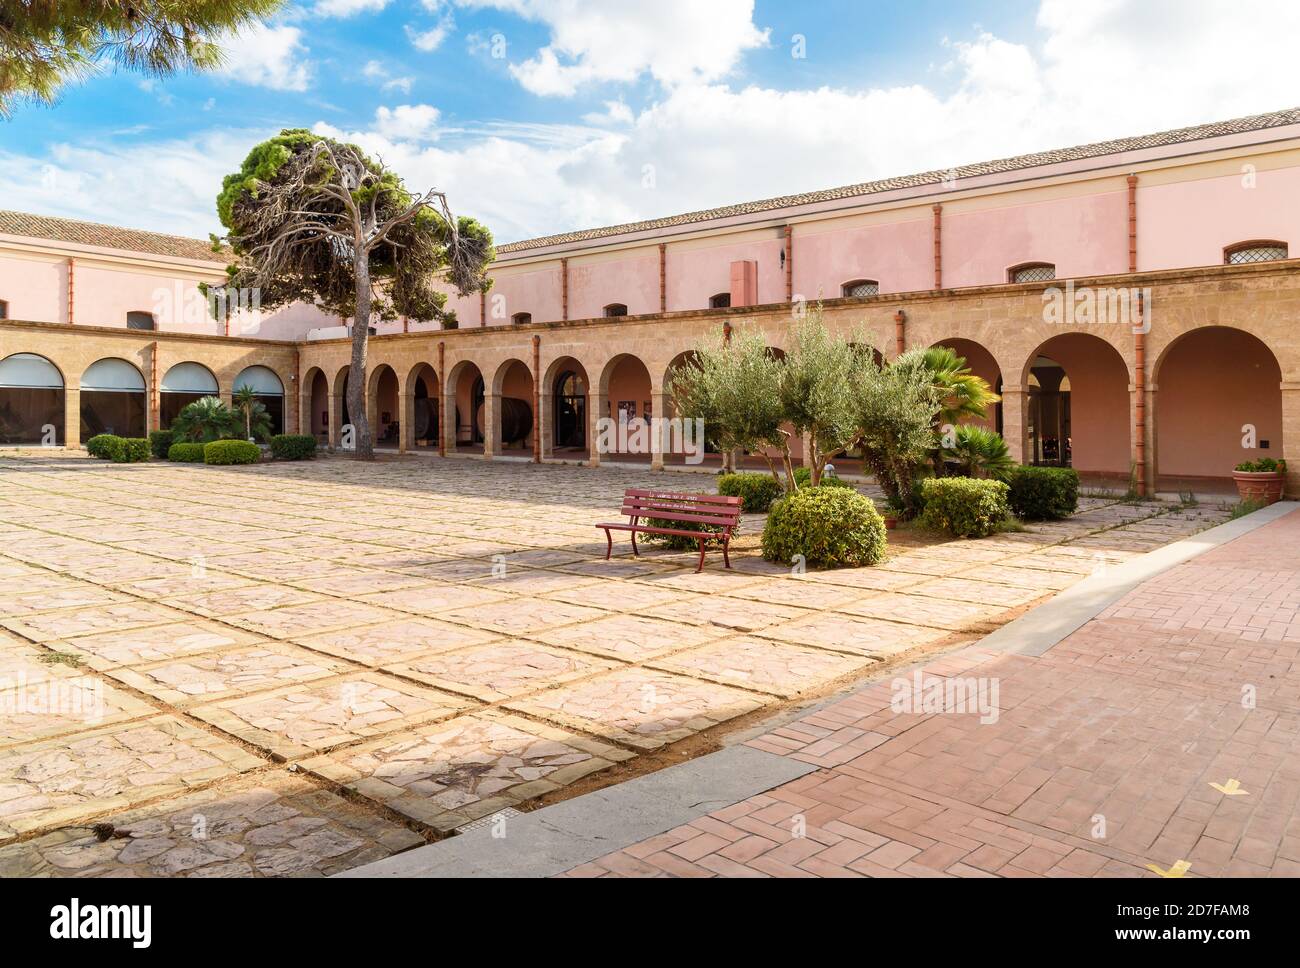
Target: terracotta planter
[
  {"x": 1263, "y": 486},
  {"x": 891, "y": 522}
]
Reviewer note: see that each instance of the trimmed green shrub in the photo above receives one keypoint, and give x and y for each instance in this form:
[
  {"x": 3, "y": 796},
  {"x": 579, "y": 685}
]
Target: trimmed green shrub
[
  {"x": 160, "y": 441},
  {"x": 231, "y": 452},
  {"x": 758, "y": 490},
  {"x": 1043, "y": 493},
  {"x": 830, "y": 526},
  {"x": 104, "y": 446},
  {"x": 133, "y": 451},
  {"x": 186, "y": 453},
  {"x": 964, "y": 506},
  {"x": 1265, "y": 465},
  {"x": 293, "y": 446}
]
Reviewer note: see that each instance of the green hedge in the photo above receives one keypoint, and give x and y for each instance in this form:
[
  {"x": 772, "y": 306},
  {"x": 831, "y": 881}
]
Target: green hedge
[
  {"x": 293, "y": 446},
  {"x": 964, "y": 506},
  {"x": 160, "y": 441},
  {"x": 133, "y": 451},
  {"x": 830, "y": 526},
  {"x": 758, "y": 490},
  {"x": 231, "y": 452},
  {"x": 1043, "y": 493},
  {"x": 104, "y": 446},
  {"x": 186, "y": 453}
]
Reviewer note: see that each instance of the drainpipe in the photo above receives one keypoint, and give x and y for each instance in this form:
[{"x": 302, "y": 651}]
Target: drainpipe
[
  {"x": 297, "y": 387},
  {"x": 789, "y": 263},
  {"x": 442, "y": 399},
  {"x": 72, "y": 265},
  {"x": 537, "y": 399},
  {"x": 482, "y": 307},
  {"x": 1139, "y": 353},
  {"x": 900, "y": 336},
  {"x": 154, "y": 402},
  {"x": 938, "y": 246},
  {"x": 726, "y": 331},
  {"x": 663, "y": 277},
  {"x": 564, "y": 290}
]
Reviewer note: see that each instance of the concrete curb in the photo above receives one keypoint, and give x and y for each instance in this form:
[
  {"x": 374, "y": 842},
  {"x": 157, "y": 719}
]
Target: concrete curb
[
  {"x": 1038, "y": 630},
  {"x": 560, "y": 837}
]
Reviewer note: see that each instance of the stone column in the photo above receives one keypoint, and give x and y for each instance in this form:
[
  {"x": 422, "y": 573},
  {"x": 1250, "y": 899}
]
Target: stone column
[
  {"x": 659, "y": 411},
  {"x": 405, "y": 422},
  {"x": 72, "y": 416},
  {"x": 1015, "y": 401},
  {"x": 333, "y": 433},
  {"x": 596, "y": 404},
  {"x": 446, "y": 423},
  {"x": 1291, "y": 435},
  {"x": 545, "y": 423},
  {"x": 491, "y": 425},
  {"x": 1152, "y": 457}
]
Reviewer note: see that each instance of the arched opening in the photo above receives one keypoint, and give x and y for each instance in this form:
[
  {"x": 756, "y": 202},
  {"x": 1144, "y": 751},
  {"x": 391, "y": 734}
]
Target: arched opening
[
  {"x": 385, "y": 422},
  {"x": 1218, "y": 389},
  {"x": 267, "y": 390},
  {"x": 139, "y": 319},
  {"x": 513, "y": 388},
  {"x": 423, "y": 391},
  {"x": 342, "y": 411},
  {"x": 568, "y": 387},
  {"x": 112, "y": 400},
  {"x": 466, "y": 387},
  {"x": 981, "y": 363},
  {"x": 860, "y": 288},
  {"x": 625, "y": 385},
  {"x": 318, "y": 405},
  {"x": 679, "y": 362},
  {"x": 1032, "y": 272},
  {"x": 521, "y": 319},
  {"x": 183, "y": 384},
  {"x": 615, "y": 309},
  {"x": 720, "y": 300},
  {"x": 31, "y": 400},
  {"x": 1077, "y": 411}
]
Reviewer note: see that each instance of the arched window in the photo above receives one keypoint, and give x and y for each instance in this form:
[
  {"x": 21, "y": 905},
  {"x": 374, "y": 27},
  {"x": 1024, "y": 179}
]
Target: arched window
[
  {"x": 112, "y": 399},
  {"x": 720, "y": 300},
  {"x": 521, "y": 319},
  {"x": 268, "y": 390},
  {"x": 183, "y": 384},
  {"x": 861, "y": 287},
  {"x": 4, "y": 309},
  {"x": 1032, "y": 272},
  {"x": 1258, "y": 250},
  {"x": 615, "y": 309},
  {"x": 31, "y": 400},
  {"x": 139, "y": 319}
]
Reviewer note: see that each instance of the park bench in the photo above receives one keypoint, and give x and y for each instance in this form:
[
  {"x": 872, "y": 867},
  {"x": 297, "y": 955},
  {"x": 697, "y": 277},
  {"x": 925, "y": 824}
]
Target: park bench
[{"x": 671, "y": 506}]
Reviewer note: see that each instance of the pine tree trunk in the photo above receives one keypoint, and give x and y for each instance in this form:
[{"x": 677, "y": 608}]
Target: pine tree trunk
[{"x": 357, "y": 377}]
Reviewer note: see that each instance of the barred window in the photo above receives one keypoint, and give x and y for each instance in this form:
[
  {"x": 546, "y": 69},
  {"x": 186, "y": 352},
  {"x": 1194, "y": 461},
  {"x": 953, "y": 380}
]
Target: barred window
[
  {"x": 138, "y": 319},
  {"x": 720, "y": 301},
  {"x": 616, "y": 309},
  {"x": 4, "y": 309},
  {"x": 1247, "y": 252},
  {"x": 1032, "y": 272},
  {"x": 861, "y": 287},
  {"x": 521, "y": 319}
]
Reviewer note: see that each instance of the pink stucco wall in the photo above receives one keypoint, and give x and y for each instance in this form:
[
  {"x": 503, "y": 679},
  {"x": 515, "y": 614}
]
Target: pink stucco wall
[
  {"x": 633, "y": 281},
  {"x": 34, "y": 289},
  {"x": 898, "y": 255},
  {"x": 694, "y": 274}
]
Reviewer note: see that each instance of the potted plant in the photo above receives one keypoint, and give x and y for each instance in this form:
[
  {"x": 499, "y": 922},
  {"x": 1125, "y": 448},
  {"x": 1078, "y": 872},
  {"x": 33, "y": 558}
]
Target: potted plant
[{"x": 1260, "y": 480}]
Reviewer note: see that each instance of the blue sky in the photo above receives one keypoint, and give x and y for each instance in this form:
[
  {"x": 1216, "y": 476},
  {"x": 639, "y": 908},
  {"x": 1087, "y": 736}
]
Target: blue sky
[{"x": 599, "y": 111}]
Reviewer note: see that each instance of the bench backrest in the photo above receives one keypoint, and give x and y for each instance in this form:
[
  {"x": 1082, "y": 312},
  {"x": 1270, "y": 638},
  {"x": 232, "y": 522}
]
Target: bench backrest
[{"x": 711, "y": 509}]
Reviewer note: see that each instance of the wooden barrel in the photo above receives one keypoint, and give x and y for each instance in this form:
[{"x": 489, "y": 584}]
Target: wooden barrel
[
  {"x": 426, "y": 419},
  {"x": 516, "y": 419}
]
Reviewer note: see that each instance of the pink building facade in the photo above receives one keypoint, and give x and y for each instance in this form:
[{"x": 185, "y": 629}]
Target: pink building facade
[{"x": 970, "y": 257}]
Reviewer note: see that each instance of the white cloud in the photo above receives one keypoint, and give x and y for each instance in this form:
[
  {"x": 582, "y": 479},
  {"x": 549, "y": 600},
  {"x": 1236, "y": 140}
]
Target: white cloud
[
  {"x": 402, "y": 84},
  {"x": 347, "y": 8},
  {"x": 431, "y": 38},
  {"x": 675, "y": 41},
  {"x": 407, "y": 122},
  {"x": 616, "y": 112},
  {"x": 265, "y": 56}
]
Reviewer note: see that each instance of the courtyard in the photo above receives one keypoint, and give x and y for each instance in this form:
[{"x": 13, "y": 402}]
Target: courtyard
[{"x": 296, "y": 669}]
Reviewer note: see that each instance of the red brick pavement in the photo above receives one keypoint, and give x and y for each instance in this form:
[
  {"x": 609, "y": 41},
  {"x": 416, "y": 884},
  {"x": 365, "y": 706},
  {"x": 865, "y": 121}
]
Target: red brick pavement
[{"x": 1101, "y": 759}]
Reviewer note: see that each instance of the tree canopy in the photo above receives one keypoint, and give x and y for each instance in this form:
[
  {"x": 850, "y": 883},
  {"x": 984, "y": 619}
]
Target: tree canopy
[{"x": 44, "y": 43}]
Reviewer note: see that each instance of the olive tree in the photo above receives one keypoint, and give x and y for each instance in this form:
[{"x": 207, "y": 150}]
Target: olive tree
[
  {"x": 312, "y": 219},
  {"x": 894, "y": 406},
  {"x": 817, "y": 379}
]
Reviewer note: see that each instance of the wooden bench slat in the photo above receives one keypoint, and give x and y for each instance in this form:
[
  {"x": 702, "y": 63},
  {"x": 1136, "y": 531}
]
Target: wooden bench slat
[
  {"x": 666, "y": 515},
  {"x": 716, "y": 510},
  {"x": 677, "y": 496}
]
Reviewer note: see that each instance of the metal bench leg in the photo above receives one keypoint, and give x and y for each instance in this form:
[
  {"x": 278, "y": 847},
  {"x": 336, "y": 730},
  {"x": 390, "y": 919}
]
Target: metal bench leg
[
  {"x": 609, "y": 544},
  {"x": 726, "y": 545},
  {"x": 700, "y": 566},
  {"x": 635, "y": 552}
]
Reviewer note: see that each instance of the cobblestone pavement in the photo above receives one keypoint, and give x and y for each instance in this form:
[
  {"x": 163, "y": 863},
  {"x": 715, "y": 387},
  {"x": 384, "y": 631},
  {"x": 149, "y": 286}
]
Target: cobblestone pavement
[
  {"x": 1160, "y": 739},
  {"x": 291, "y": 669}
]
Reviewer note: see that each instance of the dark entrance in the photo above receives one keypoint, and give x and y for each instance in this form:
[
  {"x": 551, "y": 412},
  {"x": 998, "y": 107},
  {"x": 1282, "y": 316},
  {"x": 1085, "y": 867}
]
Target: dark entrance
[{"x": 570, "y": 411}]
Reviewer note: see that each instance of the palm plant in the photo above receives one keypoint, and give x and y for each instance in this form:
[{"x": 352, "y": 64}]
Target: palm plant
[
  {"x": 964, "y": 395},
  {"x": 245, "y": 399},
  {"x": 979, "y": 452},
  {"x": 204, "y": 420}
]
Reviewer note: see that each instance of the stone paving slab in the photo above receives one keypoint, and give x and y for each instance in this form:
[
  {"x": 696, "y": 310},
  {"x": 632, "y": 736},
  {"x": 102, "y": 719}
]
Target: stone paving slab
[
  {"x": 152, "y": 643},
  {"x": 210, "y": 676},
  {"x": 269, "y": 826},
  {"x": 448, "y": 774},
  {"x": 61, "y": 781},
  {"x": 396, "y": 640},
  {"x": 315, "y": 717},
  {"x": 501, "y": 670}
]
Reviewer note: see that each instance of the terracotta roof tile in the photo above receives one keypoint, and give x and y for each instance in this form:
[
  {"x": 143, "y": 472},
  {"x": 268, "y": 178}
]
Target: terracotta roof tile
[
  {"x": 1257, "y": 122},
  {"x": 108, "y": 236}
]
